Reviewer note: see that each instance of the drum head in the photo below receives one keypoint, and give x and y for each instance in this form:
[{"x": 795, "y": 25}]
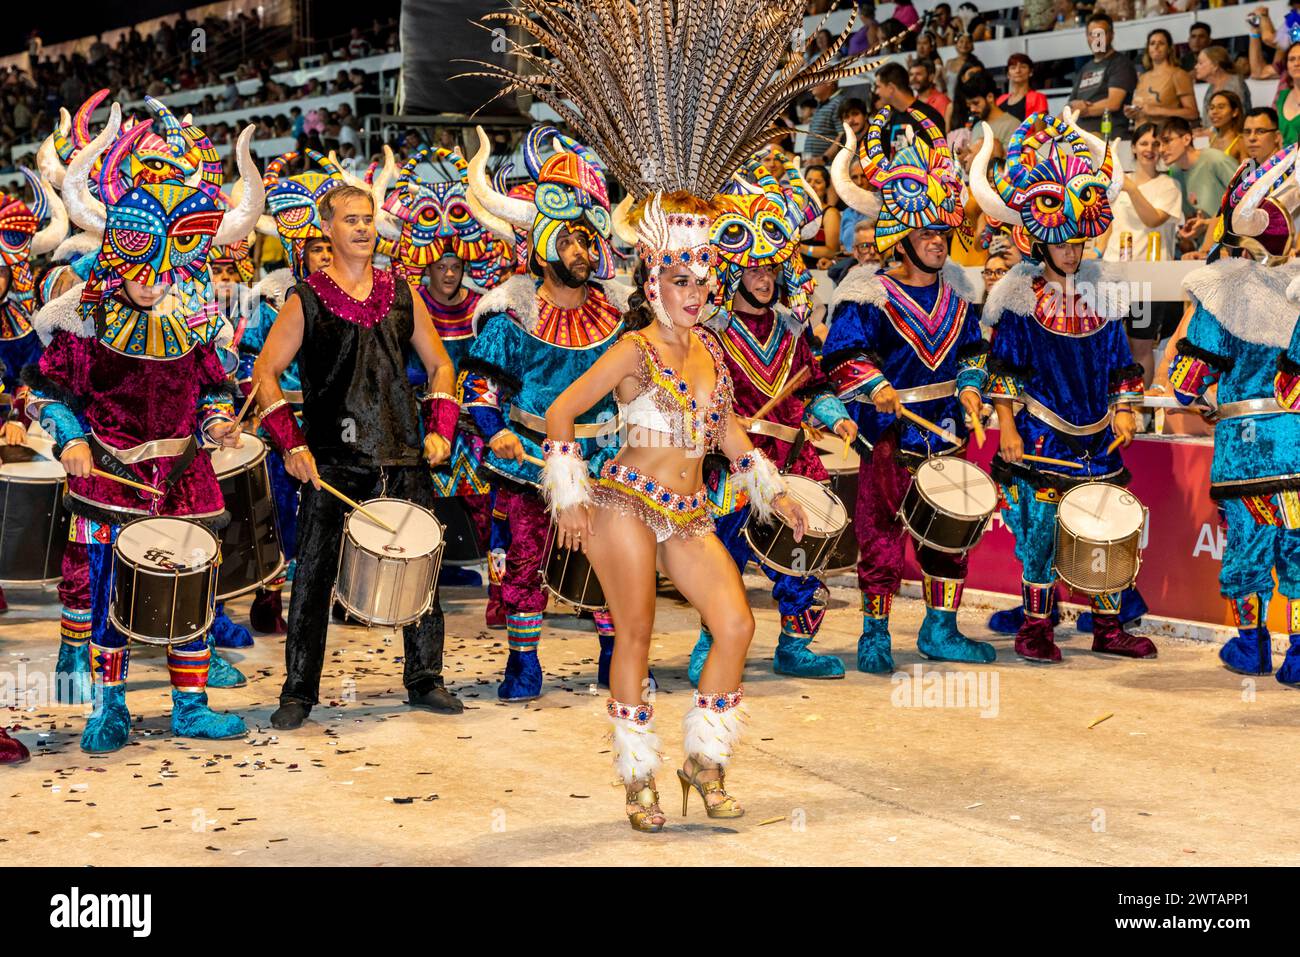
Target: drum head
[
  {"x": 167, "y": 544},
  {"x": 228, "y": 461},
  {"x": 1100, "y": 512},
  {"x": 831, "y": 450},
  {"x": 957, "y": 487},
  {"x": 418, "y": 531},
  {"x": 826, "y": 513},
  {"x": 36, "y": 470}
]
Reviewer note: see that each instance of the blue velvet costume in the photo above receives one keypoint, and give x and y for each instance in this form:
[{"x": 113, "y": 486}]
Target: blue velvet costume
[
  {"x": 1242, "y": 324},
  {"x": 1074, "y": 365}
]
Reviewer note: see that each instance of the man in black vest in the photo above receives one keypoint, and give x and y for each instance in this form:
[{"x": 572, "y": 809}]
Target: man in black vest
[{"x": 351, "y": 327}]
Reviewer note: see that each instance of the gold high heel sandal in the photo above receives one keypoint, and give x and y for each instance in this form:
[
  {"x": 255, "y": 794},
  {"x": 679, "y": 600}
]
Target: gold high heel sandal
[
  {"x": 647, "y": 798},
  {"x": 728, "y": 807}
]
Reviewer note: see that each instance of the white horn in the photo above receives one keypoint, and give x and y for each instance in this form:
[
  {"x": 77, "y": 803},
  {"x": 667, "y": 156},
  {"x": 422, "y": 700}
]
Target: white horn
[
  {"x": 48, "y": 238},
  {"x": 266, "y": 225},
  {"x": 497, "y": 226},
  {"x": 985, "y": 195},
  {"x": 49, "y": 164},
  {"x": 240, "y": 221},
  {"x": 1116, "y": 173},
  {"x": 863, "y": 200},
  {"x": 516, "y": 212},
  {"x": 87, "y": 211},
  {"x": 388, "y": 225},
  {"x": 622, "y": 228}
]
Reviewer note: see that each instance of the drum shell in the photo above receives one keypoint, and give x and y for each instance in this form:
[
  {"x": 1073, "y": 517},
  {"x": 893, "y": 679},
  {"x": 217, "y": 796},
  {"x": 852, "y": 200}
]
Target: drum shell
[
  {"x": 463, "y": 545},
  {"x": 844, "y": 483},
  {"x": 773, "y": 543},
  {"x": 160, "y": 607},
  {"x": 250, "y": 544},
  {"x": 384, "y": 590},
  {"x": 33, "y": 522},
  {"x": 1076, "y": 557},
  {"x": 567, "y": 576},
  {"x": 936, "y": 529}
]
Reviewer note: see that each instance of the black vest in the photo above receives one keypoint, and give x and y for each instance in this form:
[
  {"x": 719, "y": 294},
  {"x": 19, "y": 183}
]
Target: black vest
[{"x": 358, "y": 406}]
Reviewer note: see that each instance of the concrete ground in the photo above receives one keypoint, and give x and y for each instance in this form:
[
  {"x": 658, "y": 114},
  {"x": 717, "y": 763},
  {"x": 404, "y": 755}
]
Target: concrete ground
[{"x": 1003, "y": 764}]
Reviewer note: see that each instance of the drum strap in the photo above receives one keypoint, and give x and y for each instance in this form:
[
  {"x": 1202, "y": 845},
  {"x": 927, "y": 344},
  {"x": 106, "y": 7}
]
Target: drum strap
[
  {"x": 795, "y": 448},
  {"x": 106, "y": 460}
]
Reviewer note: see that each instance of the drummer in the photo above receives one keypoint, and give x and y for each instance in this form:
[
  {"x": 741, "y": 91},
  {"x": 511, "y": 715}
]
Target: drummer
[
  {"x": 355, "y": 326},
  {"x": 907, "y": 336},
  {"x": 1061, "y": 355},
  {"x": 762, "y": 327},
  {"x": 129, "y": 377}
]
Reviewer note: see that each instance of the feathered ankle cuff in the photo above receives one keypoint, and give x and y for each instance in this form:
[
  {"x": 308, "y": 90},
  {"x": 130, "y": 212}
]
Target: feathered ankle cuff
[
  {"x": 759, "y": 479},
  {"x": 565, "y": 482},
  {"x": 636, "y": 746},
  {"x": 713, "y": 727}
]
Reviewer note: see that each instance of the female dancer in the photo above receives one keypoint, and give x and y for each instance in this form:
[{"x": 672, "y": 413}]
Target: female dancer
[{"x": 649, "y": 508}]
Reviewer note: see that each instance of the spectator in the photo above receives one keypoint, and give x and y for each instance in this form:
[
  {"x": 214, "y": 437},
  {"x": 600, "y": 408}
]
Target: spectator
[
  {"x": 894, "y": 90},
  {"x": 1036, "y": 16},
  {"x": 1287, "y": 103},
  {"x": 1067, "y": 17},
  {"x": 1263, "y": 34},
  {"x": 1147, "y": 213},
  {"x": 905, "y": 13},
  {"x": 824, "y": 248},
  {"x": 819, "y": 44},
  {"x": 980, "y": 98},
  {"x": 1214, "y": 67},
  {"x": 995, "y": 267},
  {"x": 921, "y": 76},
  {"x": 956, "y": 67},
  {"x": 853, "y": 112},
  {"x": 978, "y": 24},
  {"x": 1227, "y": 120},
  {"x": 927, "y": 48},
  {"x": 1104, "y": 83},
  {"x": 866, "y": 37},
  {"x": 1201, "y": 175},
  {"x": 1163, "y": 90},
  {"x": 358, "y": 46},
  {"x": 1198, "y": 38},
  {"x": 862, "y": 252},
  {"x": 822, "y": 140},
  {"x": 1020, "y": 100},
  {"x": 1117, "y": 10},
  {"x": 850, "y": 217}
]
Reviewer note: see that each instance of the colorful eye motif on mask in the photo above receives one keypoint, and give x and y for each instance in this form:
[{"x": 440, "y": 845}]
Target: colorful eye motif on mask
[
  {"x": 291, "y": 202},
  {"x": 571, "y": 193},
  {"x": 1050, "y": 180},
  {"x": 918, "y": 185},
  {"x": 437, "y": 221},
  {"x": 154, "y": 157}
]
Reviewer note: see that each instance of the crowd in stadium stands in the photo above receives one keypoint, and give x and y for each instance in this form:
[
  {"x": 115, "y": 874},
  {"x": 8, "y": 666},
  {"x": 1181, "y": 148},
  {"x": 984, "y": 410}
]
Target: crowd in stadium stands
[
  {"x": 1184, "y": 151},
  {"x": 167, "y": 61}
]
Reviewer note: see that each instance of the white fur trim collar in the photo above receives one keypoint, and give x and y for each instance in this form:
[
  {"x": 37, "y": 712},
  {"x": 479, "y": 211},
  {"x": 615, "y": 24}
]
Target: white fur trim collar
[
  {"x": 862, "y": 284},
  {"x": 517, "y": 298},
  {"x": 63, "y": 314},
  {"x": 1100, "y": 283},
  {"x": 721, "y": 319},
  {"x": 274, "y": 286},
  {"x": 1251, "y": 301}
]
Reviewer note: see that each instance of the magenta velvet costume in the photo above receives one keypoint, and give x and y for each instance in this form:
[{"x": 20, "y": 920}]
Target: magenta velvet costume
[{"x": 142, "y": 389}]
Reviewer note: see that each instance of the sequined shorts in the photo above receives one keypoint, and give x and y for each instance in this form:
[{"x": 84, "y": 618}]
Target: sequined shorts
[{"x": 664, "y": 512}]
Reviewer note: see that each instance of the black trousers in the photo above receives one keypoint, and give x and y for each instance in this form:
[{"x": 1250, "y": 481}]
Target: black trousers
[{"x": 320, "y": 534}]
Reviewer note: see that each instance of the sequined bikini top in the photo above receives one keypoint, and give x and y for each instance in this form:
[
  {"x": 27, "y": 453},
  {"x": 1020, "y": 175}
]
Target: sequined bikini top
[{"x": 665, "y": 403}]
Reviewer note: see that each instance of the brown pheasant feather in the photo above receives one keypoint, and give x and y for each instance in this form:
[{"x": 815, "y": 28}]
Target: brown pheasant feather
[{"x": 672, "y": 94}]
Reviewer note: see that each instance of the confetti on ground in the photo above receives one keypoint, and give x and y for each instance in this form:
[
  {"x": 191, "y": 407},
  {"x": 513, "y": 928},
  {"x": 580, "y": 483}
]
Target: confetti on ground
[
  {"x": 1104, "y": 717},
  {"x": 971, "y": 807},
  {"x": 771, "y": 820}
]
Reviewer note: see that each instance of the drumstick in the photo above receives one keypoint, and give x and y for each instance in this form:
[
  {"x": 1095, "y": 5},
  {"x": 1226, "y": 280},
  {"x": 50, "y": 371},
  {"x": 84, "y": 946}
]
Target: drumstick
[
  {"x": 978, "y": 426},
  {"x": 1050, "y": 461},
  {"x": 944, "y": 434},
  {"x": 534, "y": 460},
  {"x": 791, "y": 384},
  {"x": 368, "y": 514},
  {"x": 247, "y": 402},
  {"x": 114, "y": 478},
  {"x": 1114, "y": 445}
]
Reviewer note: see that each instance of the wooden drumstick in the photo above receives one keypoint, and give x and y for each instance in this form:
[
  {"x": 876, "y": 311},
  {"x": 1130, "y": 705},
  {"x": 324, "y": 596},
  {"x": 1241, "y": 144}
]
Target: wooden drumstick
[
  {"x": 1050, "y": 461},
  {"x": 534, "y": 460},
  {"x": 791, "y": 384},
  {"x": 367, "y": 513},
  {"x": 943, "y": 433},
  {"x": 1114, "y": 445},
  {"x": 247, "y": 402},
  {"x": 114, "y": 478}
]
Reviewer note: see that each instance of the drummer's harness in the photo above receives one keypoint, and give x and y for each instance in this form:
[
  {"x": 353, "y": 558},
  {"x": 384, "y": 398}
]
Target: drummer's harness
[{"x": 115, "y": 461}]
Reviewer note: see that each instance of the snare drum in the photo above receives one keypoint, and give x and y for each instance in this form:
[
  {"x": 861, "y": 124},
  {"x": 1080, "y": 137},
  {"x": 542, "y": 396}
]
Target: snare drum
[
  {"x": 33, "y": 521},
  {"x": 164, "y": 580},
  {"x": 386, "y": 578},
  {"x": 250, "y": 544},
  {"x": 949, "y": 503},
  {"x": 774, "y": 544},
  {"x": 1098, "y": 538},
  {"x": 567, "y": 576},
  {"x": 844, "y": 483}
]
